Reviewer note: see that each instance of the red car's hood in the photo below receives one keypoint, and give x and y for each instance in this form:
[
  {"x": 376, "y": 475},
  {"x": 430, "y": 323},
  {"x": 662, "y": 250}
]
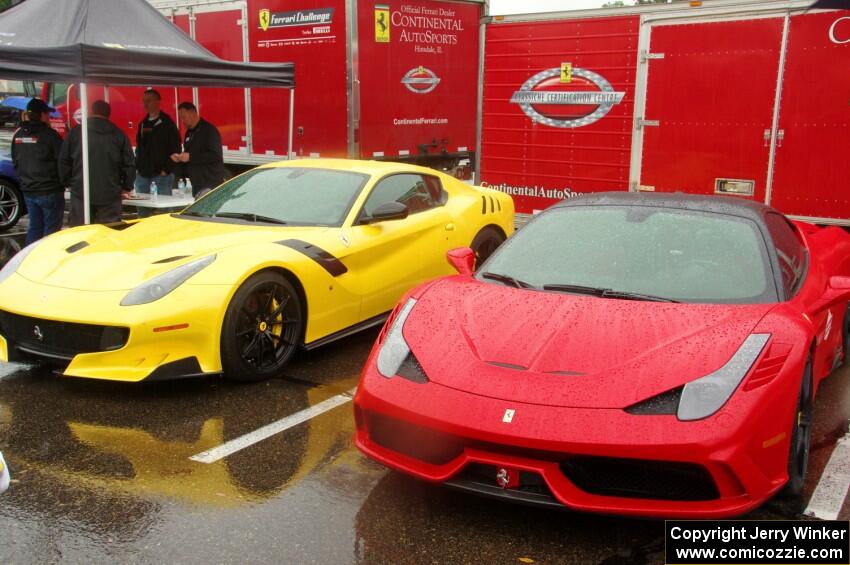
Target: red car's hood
[{"x": 568, "y": 350}]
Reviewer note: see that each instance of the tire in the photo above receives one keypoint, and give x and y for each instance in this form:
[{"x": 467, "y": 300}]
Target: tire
[
  {"x": 801, "y": 436},
  {"x": 485, "y": 243},
  {"x": 845, "y": 337},
  {"x": 11, "y": 205},
  {"x": 262, "y": 328}
]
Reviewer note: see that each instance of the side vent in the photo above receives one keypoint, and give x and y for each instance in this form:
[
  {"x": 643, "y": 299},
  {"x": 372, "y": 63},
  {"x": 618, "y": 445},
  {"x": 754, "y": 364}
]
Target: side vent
[
  {"x": 769, "y": 367},
  {"x": 483, "y": 205}
]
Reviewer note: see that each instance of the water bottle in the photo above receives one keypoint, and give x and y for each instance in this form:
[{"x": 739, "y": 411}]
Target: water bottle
[
  {"x": 154, "y": 192},
  {"x": 188, "y": 187},
  {"x": 181, "y": 187}
]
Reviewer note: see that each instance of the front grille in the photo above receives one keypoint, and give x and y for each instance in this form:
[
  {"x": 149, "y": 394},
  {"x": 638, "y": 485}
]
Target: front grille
[
  {"x": 479, "y": 478},
  {"x": 418, "y": 442},
  {"x": 60, "y": 339},
  {"x": 529, "y": 482},
  {"x": 635, "y": 478}
]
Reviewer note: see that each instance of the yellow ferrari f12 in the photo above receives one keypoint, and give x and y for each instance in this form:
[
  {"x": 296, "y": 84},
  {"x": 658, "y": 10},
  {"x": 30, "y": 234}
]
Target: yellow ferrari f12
[{"x": 294, "y": 254}]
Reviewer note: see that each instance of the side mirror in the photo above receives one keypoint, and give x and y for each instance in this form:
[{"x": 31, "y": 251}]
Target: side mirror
[
  {"x": 462, "y": 259},
  {"x": 386, "y": 212},
  {"x": 838, "y": 288}
]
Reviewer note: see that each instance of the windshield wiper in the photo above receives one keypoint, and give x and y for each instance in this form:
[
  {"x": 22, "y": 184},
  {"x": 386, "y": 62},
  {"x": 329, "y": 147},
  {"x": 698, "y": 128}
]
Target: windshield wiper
[
  {"x": 196, "y": 214},
  {"x": 606, "y": 292},
  {"x": 577, "y": 288},
  {"x": 626, "y": 295},
  {"x": 506, "y": 280},
  {"x": 250, "y": 217}
]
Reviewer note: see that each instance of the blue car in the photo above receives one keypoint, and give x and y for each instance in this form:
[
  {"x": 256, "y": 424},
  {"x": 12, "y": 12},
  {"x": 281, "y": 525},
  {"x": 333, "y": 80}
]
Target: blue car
[{"x": 12, "y": 205}]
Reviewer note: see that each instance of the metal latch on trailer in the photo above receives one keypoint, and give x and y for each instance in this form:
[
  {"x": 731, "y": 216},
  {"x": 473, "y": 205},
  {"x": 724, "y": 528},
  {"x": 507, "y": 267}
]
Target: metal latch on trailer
[
  {"x": 646, "y": 56},
  {"x": 641, "y": 122}
]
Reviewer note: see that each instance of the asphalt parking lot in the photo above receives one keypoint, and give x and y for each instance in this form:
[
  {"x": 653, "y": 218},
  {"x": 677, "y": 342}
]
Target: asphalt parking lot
[{"x": 107, "y": 472}]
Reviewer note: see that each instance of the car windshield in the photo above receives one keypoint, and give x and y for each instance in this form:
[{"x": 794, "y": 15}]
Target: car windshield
[
  {"x": 642, "y": 253},
  {"x": 285, "y": 195}
]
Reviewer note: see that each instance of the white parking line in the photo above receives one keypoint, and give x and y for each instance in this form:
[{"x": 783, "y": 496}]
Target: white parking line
[
  {"x": 7, "y": 369},
  {"x": 249, "y": 439},
  {"x": 829, "y": 495}
]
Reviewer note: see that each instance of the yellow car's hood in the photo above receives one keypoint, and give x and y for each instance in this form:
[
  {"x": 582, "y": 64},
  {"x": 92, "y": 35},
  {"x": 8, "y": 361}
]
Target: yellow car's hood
[{"x": 123, "y": 259}]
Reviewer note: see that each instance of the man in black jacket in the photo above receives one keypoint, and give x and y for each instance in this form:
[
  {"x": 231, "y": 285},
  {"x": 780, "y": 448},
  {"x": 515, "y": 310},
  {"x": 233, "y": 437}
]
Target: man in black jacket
[
  {"x": 35, "y": 151},
  {"x": 111, "y": 167},
  {"x": 202, "y": 156},
  {"x": 157, "y": 139}
]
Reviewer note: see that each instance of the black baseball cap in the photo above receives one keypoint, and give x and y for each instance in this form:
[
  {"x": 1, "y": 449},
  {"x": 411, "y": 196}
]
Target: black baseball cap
[{"x": 39, "y": 106}]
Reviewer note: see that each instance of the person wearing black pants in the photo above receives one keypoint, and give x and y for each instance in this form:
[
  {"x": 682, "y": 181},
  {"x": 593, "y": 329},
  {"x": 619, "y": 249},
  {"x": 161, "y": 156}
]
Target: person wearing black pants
[
  {"x": 112, "y": 168},
  {"x": 35, "y": 153},
  {"x": 202, "y": 157}
]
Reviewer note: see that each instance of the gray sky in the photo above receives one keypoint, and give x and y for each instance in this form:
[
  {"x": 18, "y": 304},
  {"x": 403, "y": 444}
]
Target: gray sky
[{"x": 527, "y": 6}]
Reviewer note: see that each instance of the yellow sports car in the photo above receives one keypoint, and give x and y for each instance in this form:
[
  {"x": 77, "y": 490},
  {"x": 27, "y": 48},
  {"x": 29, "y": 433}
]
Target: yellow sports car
[{"x": 293, "y": 254}]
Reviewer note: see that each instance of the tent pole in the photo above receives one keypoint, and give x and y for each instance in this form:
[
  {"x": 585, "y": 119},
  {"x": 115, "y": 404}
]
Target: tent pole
[
  {"x": 84, "y": 112},
  {"x": 291, "y": 119}
]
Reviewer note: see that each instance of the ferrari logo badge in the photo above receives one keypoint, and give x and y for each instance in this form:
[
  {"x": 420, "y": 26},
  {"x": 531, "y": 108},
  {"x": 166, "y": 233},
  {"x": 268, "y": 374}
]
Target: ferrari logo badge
[
  {"x": 37, "y": 333},
  {"x": 503, "y": 478},
  {"x": 382, "y": 23},
  {"x": 265, "y": 19},
  {"x": 509, "y": 416},
  {"x": 566, "y": 72}
]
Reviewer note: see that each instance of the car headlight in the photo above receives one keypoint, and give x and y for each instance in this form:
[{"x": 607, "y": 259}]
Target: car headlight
[
  {"x": 395, "y": 350},
  {"x": 16, "y": 261},
  {"x": 157, "y": 287},
  {"x": 706, "y": 395}
]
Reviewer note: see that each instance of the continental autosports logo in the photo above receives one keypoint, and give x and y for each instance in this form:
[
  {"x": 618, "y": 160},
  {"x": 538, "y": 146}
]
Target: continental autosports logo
[
  {"x": 546, "y": 88},
  {"x": 420, "y": 80}
]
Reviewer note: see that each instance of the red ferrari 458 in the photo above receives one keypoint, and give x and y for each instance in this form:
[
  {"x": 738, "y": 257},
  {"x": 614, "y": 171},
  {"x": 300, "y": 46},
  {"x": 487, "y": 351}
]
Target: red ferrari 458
[{"x": 639, "y": 354}]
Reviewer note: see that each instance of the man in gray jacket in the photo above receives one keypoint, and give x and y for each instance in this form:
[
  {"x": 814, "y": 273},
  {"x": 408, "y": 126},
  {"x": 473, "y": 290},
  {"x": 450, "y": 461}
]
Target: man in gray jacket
[{"x": 112, "y": 167}]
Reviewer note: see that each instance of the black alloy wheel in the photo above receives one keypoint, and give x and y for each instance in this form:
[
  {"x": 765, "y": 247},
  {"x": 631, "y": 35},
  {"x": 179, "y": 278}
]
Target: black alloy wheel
[
  {"x": 845, "y": 336},
  {"x": 262, "y": 328},
  {"x": 801, "y": 435}
]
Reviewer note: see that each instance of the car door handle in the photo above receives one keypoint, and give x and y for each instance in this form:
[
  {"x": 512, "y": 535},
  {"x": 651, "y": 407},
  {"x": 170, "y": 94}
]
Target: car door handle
[{"x": 450, "y": 227}]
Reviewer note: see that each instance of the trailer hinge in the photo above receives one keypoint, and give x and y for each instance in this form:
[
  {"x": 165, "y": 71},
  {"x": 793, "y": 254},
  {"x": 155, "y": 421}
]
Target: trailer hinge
[
  {"x": 241, "y": 22},
  {"x": 646, "y": 55},
  {"x": 640, "y": 123}
]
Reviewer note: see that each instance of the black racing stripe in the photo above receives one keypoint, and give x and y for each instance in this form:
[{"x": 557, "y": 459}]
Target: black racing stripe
[{"x": 328, "y": 262}]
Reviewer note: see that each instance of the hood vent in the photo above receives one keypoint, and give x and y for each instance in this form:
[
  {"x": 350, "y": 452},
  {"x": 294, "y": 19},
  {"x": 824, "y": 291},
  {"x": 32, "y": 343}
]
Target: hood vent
[
  {"x": 77, "y": 246},
  {"x": 508, "y": 366}
]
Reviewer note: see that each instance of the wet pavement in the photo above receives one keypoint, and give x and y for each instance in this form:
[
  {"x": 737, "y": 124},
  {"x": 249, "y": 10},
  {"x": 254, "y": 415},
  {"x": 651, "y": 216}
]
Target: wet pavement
[{"x": 102, "y": 473}]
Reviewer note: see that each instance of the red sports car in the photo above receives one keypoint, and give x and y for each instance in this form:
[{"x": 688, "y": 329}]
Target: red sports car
[{"x": 639, "y": 354}]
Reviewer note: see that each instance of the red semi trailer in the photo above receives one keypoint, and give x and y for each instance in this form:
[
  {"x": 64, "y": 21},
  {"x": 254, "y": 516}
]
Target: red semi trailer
[
  {"x": 376, "y": 79},
  {"x": 732, "y": 97}
]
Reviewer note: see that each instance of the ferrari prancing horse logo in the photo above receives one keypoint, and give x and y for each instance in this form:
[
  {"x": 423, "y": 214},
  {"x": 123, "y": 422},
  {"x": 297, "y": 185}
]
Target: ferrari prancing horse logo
[
  {"x": 265, "y": 19},
  {"x": 509, "y": 416}
]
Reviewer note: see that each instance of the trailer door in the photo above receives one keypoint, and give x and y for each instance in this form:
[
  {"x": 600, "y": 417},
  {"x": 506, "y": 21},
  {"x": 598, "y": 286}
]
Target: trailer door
[
  {"x": 710, "y": 95},
  {"x": 812, "y": 169},
  {"x": 221, "y": 32}
]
